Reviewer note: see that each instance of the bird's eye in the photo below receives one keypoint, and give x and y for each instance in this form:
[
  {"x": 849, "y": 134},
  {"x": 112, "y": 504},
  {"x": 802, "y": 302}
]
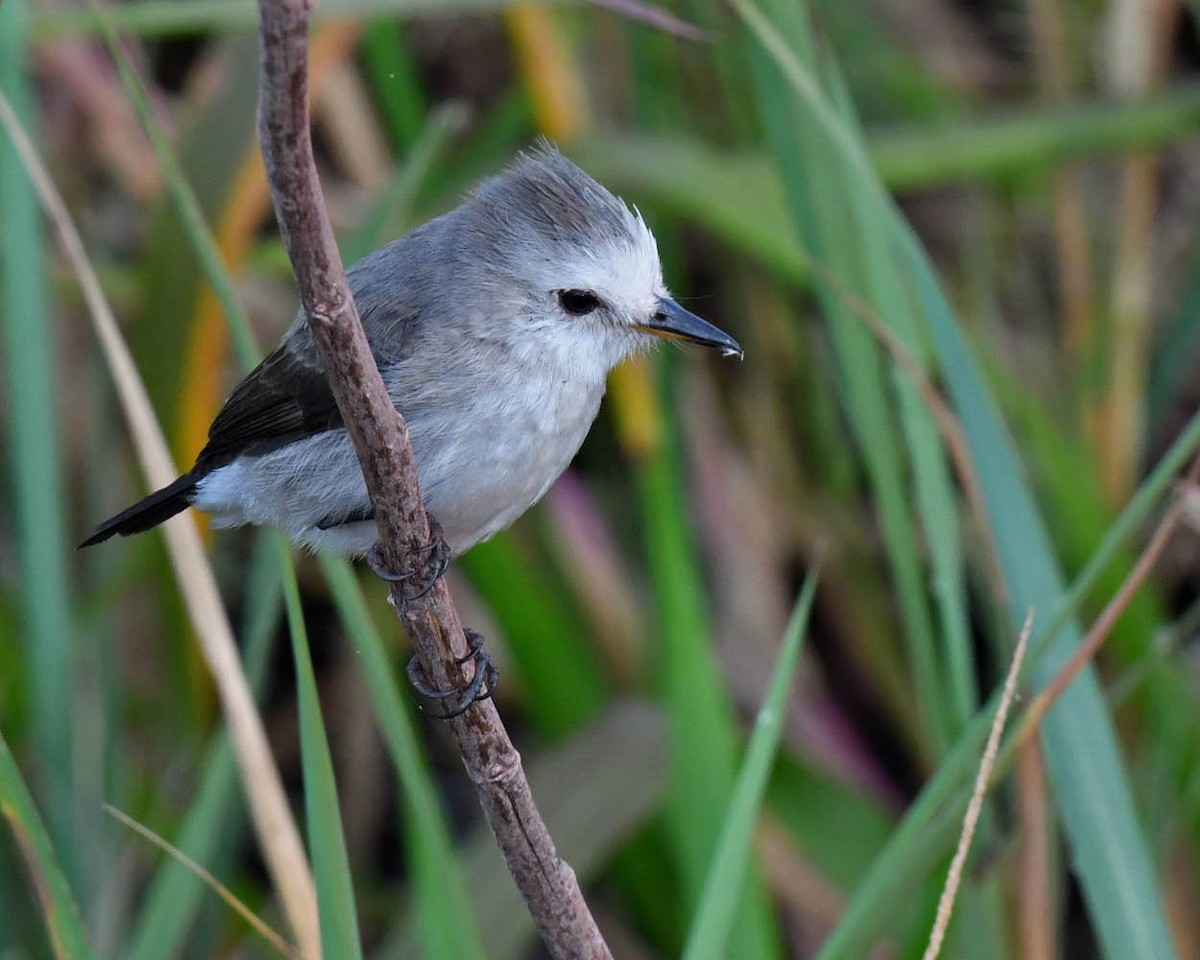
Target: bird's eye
[{"x": 578, "y": 302}]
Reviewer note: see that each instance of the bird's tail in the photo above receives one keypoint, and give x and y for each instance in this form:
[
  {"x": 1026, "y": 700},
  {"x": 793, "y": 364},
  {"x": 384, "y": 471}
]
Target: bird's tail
[{"x": 150, "y": 512}]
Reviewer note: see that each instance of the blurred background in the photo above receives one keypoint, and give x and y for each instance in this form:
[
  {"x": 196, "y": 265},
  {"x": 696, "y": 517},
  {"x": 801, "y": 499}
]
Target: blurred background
[{"x": 1046, "y": 320}]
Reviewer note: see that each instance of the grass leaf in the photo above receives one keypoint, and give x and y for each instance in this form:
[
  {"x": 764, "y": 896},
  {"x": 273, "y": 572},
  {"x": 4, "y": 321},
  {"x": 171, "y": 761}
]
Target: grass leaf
[
  {"x": 206, "y": 877},
  {"x": 32, "y": 395},
  {"x": 1093, "y": 795},
  {"x": 445, "y": 908},
  {"x": 327, "y": 845},
  {"x": 701, "y": 728},
  {"x": 722, "y": 889},
  {"x": 61, "y": 915},
  {"x": 215, "y": 819}
]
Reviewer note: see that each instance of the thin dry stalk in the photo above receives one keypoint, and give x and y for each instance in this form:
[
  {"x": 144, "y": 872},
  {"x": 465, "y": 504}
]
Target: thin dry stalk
[
  {"x": 656, "y": 18},
  {"x": 278, "y": 837},
  {"x": 1036, "y": 934},
  {"x": 1123, "y": 412},
  {"x": 1052, "y": 58},
  {"x": 975, "y": 807},
  {"x": 216, "y": 886},
  {"x": 1140, "y": 34},
  {"x": 1108, "y": 618},
  {"x": 380, "y": 438}
]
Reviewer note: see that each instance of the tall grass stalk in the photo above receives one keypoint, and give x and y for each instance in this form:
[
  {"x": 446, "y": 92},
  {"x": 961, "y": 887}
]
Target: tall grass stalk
[
  {"x": 722, "y": 888},
  {"x": 273, "y": 819},
  {"x": 32, "y": 403}
]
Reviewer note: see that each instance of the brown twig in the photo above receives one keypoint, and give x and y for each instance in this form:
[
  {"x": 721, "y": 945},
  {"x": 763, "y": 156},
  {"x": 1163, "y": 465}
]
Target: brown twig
[{"x": 380, "y": 437}]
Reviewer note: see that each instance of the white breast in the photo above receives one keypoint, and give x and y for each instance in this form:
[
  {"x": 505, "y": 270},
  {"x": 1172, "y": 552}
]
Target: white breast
[{"x": 484, "y": 464}]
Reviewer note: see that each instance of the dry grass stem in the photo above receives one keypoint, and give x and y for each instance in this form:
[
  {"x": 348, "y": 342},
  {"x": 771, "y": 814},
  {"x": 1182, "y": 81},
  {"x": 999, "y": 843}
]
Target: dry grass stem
[
  {"x": 1035, "y": 894},
  {"x": 1076, "y": 283},
  {"x": 1140, "y": 34},
  {"x": 280, "y": 945},
  {"x": 278, "y": 837},
  {"x": 655, "y": 17},
  {"x": 975, "y": 807},
  {"x": 1116, "y": 606}
]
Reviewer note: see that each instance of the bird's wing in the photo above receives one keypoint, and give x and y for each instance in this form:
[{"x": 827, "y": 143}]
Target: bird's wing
[{"x": 285, "y": 398}]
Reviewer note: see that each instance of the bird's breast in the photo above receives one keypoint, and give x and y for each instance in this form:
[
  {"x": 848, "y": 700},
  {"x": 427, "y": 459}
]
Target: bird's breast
[{"x": 491, "y": 453}]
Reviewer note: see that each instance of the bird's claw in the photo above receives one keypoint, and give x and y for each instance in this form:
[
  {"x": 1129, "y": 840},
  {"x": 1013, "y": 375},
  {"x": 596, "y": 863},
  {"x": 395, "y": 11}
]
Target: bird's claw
[
  {"x": 438, "y": 560},
  {"x": 458, "y": 700}
]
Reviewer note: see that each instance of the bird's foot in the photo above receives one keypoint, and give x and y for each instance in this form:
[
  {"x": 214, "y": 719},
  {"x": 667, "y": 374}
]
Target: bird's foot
[
  {"x": 452, "y": 703},
  {"x": 437, "y": 559}
]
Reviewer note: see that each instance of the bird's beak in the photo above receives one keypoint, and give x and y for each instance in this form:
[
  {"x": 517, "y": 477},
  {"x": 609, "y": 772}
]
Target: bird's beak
[{"x": 674, "y": 323}]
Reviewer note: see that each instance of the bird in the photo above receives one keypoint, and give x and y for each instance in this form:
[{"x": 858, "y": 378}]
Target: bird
[{"x": 494, "y": 327}]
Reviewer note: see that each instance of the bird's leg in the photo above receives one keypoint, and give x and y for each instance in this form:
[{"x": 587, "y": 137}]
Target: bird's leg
[
  {"x": 457, "y": 701},
  {"x": 438, "y": 559}
]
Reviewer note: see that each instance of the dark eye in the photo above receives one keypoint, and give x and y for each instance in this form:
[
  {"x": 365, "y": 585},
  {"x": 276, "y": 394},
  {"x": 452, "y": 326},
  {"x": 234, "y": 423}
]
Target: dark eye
[{"x": 578, "y": 302}]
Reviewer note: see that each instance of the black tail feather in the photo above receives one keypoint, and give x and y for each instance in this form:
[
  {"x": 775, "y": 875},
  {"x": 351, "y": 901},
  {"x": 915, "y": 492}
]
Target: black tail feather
[{"x": 150, "y": 512}]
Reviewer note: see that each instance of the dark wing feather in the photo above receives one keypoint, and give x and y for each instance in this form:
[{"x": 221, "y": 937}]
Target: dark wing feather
[
  {"x": 287, "y": 396},
  {"x": 283, "y": 399}
]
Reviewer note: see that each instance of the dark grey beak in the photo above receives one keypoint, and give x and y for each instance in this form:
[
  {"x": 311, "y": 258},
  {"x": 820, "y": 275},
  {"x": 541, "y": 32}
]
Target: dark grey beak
[{"x": 674, "y": 323}]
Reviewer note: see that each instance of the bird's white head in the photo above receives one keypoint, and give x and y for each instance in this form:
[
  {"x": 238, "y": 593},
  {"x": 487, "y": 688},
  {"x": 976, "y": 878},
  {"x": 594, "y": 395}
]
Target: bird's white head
[{"x": 578, "y": 269}]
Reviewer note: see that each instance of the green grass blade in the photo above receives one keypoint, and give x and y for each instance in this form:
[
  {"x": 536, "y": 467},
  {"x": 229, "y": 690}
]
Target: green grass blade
[
  {"x": 1092, "y": 792},
  {"x": 1093, "y": 795},
  {"x": 840, "y": 830},
  {"x": 393, "y": 208},
  {"x": 701, "y": 729},
  {"x": 838, "y": 225},
  {"x": 327, "y": 845},
  {"x": 1032, "y": 141},
  {"x": 445, "y": 913},
  {"x": 1162, "y": 698},
  {"x": 32, "y": 402},
  {"x": 215, "y": 818},
  {"x": 63, "y": 925},
  {"x": 930, "y": 825},
  {"x": 183, "y": 198},
  {"x": 547, "y": 637},
  {"x": 951, "y": 664},
  {"x": 394, "y": 77},
  {"x": 212, "y": 149},
  {"x": 718, "y": 902},
  {"x": 922, "y": 840}
]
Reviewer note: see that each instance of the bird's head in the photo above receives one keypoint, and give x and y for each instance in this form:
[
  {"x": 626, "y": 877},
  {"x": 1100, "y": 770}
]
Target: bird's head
[{"x": 581, "y": 267}]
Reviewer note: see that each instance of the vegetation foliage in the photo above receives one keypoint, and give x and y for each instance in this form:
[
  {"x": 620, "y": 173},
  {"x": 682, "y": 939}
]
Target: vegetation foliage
[{"x": 965, "y": 275}]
